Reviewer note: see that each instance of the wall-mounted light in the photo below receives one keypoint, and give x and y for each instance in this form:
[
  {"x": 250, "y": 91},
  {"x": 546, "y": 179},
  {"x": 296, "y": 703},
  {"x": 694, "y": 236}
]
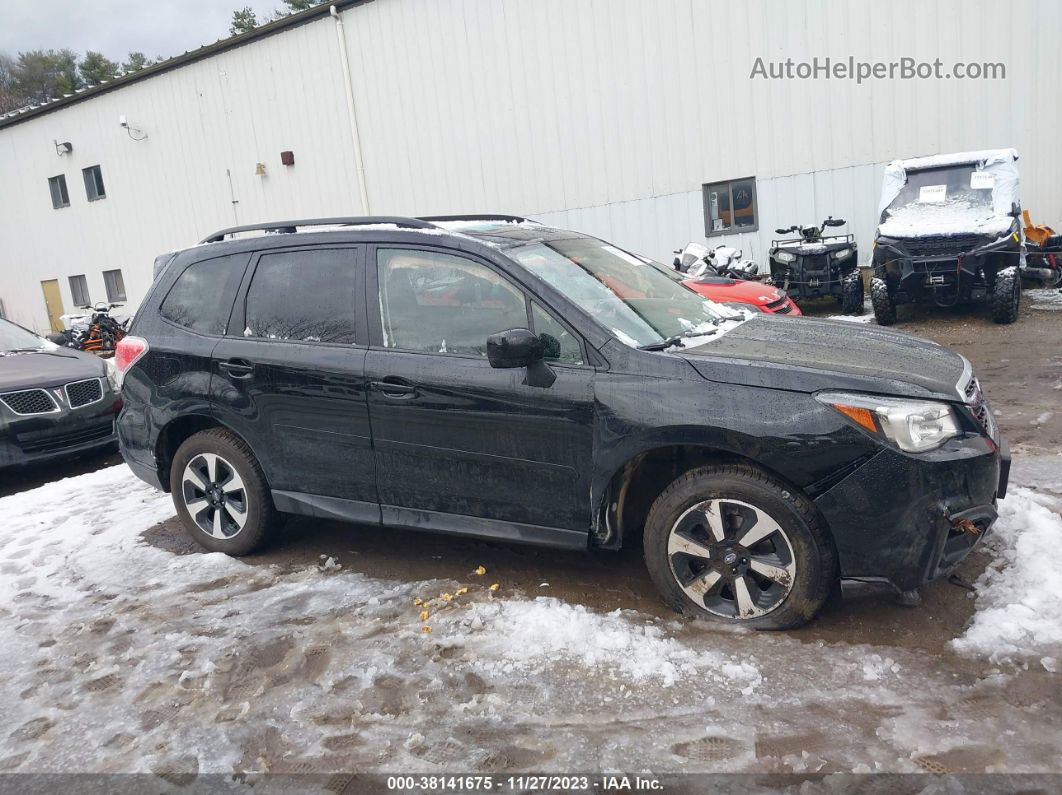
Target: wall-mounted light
[
  {"x": 63, "y": 148},
  {"x": 259, "y": 169},
  {"x": 287, "y": 158}
]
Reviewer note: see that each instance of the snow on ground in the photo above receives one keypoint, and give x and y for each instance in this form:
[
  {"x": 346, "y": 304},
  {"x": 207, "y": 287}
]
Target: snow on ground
[
  {"x": 866, "y": 317},
  {"x": 1019, "y": 603},
  {"x": 119, "y": 656},
  {"x": 1048, "y": 298}
]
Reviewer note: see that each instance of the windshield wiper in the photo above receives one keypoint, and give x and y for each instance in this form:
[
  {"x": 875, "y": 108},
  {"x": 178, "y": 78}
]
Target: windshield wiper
[
  {"x": 24, "y": 350},
  {"x": 675, "y": 340}
]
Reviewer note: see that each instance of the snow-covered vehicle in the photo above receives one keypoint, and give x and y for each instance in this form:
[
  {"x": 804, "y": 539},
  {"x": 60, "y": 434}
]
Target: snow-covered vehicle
[
  {"x": 816, "y": 266},
  {"x": 949, "y": 233}
]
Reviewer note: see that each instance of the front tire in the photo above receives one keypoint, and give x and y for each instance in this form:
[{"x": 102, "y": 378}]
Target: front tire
[
  {"x": 731, "y": 544},
  {"x": 881, "y": 300},
  {"x": 221, "y": 494},
  {"x": 1006, "y": 296},
  {"x": 852, "y": 293}
]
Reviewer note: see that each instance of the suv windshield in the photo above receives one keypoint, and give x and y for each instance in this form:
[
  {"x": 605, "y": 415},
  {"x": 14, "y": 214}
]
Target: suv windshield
[
  {"x": 962, "y": 184},
  {"x": 642, "y": 306},
  {"x": 15, "y": 338}
]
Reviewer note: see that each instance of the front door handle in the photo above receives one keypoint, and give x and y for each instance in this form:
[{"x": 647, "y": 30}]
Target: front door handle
[
  {"x": 237, "y": 368},
  {"x": 394, "y": 388}
]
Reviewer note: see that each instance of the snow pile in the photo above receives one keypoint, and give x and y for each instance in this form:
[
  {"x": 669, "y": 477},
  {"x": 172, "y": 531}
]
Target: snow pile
[
  {"x": 1019, "y": 598},
  {"x": 533, "y": 636},
  {"x": 957, "y": 217},
  {"x": 1049, "y": 299}
]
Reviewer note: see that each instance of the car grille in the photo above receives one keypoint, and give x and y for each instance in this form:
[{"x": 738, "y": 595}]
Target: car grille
[
  {"x": 51, "y": 442},
  {"x": 29, "y": 401},
  {"x": 975, "y": 399},
  {"x": 783, "y": 306},
  {"x": 941, "y": 245},
  {"x": 82, "y": 393}
]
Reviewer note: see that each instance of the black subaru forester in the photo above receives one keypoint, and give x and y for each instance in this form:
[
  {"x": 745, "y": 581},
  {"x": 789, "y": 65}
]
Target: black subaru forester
[{"x": 491, "y": 376}]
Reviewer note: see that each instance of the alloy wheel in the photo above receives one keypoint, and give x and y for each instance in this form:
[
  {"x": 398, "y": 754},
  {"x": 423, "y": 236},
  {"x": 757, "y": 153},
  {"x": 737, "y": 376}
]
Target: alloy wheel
[
  {"x": 731, "y": 558},
  {"x": 214, "y": 495}
]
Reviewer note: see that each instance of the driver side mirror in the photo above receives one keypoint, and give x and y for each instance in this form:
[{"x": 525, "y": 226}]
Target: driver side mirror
[{"x": 518, "y": 347}]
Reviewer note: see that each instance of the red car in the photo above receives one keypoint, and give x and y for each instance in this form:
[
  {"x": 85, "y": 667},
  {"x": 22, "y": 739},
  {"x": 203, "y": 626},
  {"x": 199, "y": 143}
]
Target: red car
[
  {"x": 723, "y": 290},
  {"x": 759, "y": 296}
]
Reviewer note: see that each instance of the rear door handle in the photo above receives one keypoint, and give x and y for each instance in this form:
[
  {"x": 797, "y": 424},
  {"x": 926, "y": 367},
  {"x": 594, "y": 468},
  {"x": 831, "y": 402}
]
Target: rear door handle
[
  {"x": 237, "y": 368},
  {"x": 400, "y": 390}
]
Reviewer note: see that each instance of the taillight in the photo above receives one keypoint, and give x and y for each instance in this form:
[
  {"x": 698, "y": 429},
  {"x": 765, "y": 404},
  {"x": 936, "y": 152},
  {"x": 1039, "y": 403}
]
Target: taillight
[{"x": 126, "y": 354}]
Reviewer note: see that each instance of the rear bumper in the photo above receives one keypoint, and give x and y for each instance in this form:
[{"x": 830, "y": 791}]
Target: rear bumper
[{"x": 908, "y": 519}]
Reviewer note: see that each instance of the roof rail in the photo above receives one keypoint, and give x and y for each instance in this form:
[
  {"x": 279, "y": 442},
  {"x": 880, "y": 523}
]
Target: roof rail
[
  {"x": 478, "y": 217},
  {"x": 291, "y": 226}
]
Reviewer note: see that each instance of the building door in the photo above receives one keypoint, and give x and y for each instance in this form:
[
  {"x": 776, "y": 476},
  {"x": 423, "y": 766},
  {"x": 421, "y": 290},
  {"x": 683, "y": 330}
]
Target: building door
[{"x": 54, "y": 303}]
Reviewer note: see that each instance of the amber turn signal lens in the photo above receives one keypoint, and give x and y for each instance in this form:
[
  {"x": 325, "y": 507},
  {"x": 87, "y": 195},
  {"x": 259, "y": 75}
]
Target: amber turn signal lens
[{"x": 861, "y": 416}]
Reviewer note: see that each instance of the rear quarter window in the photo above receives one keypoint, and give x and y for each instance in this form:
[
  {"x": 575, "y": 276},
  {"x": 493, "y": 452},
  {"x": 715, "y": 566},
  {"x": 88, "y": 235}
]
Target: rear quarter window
[{"x": 202, "y": 296}]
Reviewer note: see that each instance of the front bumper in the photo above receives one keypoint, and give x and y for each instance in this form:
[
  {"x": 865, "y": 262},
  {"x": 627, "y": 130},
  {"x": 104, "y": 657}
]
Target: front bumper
[
  {"x": 908, "y": 519},
  {"x": 34, "y": 439}
]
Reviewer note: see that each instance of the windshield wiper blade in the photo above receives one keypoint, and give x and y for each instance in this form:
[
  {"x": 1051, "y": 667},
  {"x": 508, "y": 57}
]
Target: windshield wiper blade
[{"x": 664, "y": 344}]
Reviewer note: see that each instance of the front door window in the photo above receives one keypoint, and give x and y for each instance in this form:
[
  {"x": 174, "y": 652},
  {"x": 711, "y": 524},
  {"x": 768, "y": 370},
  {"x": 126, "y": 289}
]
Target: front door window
[{"x": 440, "y": 303}]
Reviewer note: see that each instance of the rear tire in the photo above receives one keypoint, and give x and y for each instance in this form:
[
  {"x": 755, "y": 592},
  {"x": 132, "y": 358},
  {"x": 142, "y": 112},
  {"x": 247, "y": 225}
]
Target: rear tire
[
  {"x": 731, "y": 544},
  {"x": 884, "y": 307},
  {"x": 221, "y": 494},
  {"x": 1006, "y": 296},
  {"x": 852, "y": 293}
]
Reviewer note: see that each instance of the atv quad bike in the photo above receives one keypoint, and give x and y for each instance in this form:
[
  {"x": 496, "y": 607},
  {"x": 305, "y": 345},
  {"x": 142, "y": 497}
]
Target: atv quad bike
[
  {"x": 949, "y": 233},
  {"x": 813, "y": 266}
]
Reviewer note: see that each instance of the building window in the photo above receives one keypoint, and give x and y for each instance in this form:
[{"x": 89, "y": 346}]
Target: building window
[
  {"x": 115, "y": 285},
  {"x": 94, "y": 183},
  {"x": 79, "y": 290},
  {"x": 730, "y": 206},
  {"x": 60, "y": 197}
]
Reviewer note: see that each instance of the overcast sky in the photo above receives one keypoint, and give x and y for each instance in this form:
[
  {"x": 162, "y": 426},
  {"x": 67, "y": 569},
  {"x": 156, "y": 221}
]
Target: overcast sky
[{"x": 115, "y": 27}]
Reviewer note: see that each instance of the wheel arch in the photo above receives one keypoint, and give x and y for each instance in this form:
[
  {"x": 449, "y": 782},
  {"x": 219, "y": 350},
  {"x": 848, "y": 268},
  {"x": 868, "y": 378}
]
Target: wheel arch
[
  {"x": 629, "y": 492},
  {"x": 176, "y": 431}
]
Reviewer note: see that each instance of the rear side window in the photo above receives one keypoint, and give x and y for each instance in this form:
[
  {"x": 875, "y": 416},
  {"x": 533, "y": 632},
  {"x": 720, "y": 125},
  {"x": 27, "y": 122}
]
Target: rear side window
[
  {"x": 306, "y": 296},
  {"x": 202, "y": 296}
]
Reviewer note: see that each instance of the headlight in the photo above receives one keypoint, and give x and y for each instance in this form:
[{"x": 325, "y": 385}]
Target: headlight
[
  {"x": 912, "y": 425},
  {"x": 843, "y": 253},
  {"x": 785, "y": 256}
]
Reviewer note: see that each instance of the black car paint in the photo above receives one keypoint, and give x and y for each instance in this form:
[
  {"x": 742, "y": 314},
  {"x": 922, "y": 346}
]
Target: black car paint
[
  {"x": 35, "y": 438},
  {"x": 448, "y": 444}
]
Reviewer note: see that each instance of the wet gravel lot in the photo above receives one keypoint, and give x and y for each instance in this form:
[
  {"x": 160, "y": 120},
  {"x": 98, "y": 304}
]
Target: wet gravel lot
[{"x": 176, "y": 662}]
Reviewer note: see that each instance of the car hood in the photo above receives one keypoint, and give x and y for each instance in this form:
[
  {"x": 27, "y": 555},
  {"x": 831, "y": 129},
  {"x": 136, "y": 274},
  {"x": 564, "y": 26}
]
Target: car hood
[
  {"x": 47, "y": 368},
  {"x": 808, "y": 355},
  {"x": 730, "y": 290},
  {"x": 953, "y": 218}
]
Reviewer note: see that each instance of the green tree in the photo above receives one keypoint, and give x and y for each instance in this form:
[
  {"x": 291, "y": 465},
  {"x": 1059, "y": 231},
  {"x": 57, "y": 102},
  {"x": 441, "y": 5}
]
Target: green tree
[
  {"x": 294, "y": 7},
  {"x": 243, "y": 21},
  {"x": 95, "y": 68},
  {"x": 41, "y": 75},
  {"x": 135, "y": 62},
  {"x": 9, "y": 98}
]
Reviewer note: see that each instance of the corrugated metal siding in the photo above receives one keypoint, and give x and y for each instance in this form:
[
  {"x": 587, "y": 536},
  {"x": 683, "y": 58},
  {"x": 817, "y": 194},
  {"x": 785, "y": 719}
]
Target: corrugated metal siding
[{"x": 603, "y": 115}]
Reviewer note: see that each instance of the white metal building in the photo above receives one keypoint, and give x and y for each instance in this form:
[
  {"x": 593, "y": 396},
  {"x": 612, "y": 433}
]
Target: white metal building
[{"x": 608, "y": 116}]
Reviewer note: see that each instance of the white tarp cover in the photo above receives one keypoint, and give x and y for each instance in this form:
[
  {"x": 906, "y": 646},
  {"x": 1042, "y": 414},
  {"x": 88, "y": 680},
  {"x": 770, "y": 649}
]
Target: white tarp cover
[{"x": 958, "y": 216}]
